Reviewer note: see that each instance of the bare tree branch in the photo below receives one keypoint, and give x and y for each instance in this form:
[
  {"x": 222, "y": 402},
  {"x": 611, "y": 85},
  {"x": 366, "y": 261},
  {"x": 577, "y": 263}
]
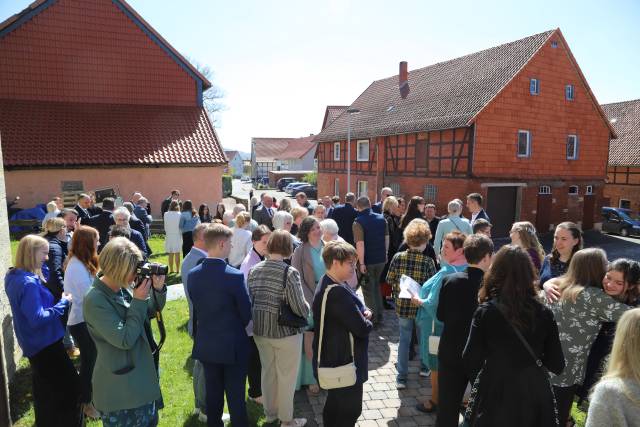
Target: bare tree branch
[{"x": 212, "y": 97}]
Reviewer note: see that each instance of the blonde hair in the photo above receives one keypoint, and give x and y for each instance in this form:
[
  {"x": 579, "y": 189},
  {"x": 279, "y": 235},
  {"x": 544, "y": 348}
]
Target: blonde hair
[
  {"x": 119, "y": 259},
  {"x": 527, "y": 233},
  {"x": 213, "y": 233},
  {"x": 586, "y": 269},
  {"x": 53, "y": 225},
  {"x": 26, "y": 253},
  {"x": 242, "y": 219},
  {"x": 389, "y": 203},
  {"x": 298, "y": 212},
  {"x": 52, "y": 207},
  {"x": 624, "y": 362},
  {"x": 417, "y": 233}
]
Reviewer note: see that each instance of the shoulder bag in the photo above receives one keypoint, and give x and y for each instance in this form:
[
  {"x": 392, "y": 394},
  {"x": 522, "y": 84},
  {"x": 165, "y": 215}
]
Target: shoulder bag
[
  {"x": 339, "y": 376},
  {"x": 286, "y": 316},
  {"x": 434, "y": 340}
]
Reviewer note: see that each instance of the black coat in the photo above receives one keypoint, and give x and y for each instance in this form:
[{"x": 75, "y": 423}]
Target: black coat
[
  {"x": 101, "y": 222},
  {"x": 343, "y": 315},
  {"x": 262, "y": 217},
  {"x": 513, "y": 391},
  {"x": 82, "y": 212},
  {"x": 57, "y": 256},
  {"x": 136, "y": 224},
  {"x": 344, "y": 216}
]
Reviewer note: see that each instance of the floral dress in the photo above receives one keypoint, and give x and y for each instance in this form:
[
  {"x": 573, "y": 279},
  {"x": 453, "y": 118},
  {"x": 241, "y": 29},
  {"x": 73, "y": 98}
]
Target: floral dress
[{"x": 578, "y": 326}]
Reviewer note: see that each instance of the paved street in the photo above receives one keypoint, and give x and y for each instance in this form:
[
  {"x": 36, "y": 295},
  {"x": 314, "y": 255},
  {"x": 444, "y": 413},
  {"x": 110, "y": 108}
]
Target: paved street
[{"x": 241, "y": 189}]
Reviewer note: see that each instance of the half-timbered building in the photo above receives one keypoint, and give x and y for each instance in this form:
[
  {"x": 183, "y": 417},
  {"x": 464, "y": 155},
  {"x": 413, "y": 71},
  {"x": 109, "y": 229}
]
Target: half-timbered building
[
  {"x": 517, "y": 123},
  {"x": 623, "y": 174}
]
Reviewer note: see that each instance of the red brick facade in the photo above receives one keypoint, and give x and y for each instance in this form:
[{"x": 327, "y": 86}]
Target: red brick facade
[
  {"x": 623, "y": 184},
  {"x": 90, "y": 51}
]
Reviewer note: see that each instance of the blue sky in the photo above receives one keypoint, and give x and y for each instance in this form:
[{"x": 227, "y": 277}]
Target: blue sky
[{"x": 280, "y": 62}]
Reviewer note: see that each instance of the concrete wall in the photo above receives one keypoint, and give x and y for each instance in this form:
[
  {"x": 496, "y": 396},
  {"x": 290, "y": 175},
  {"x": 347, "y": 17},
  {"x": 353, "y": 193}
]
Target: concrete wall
[{"x": 199, "y": 184}]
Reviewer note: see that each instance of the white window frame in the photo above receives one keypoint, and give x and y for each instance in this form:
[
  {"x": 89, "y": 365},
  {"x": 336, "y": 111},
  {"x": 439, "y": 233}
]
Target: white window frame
[
  {"x": 336, "y": 151},
  {"x": 577, "y": 190},
  {"x": 544, "y": 189},
  {"x": 336, "y": 187},
  {"x": 589, "y": 190},
  {"x": 569, "y": 92},
  {"x": 528, "y": 153},
  {"x": 358, "y": 144},
  {"x": 534, "y": 86},
  {"x": 574, "y": 155},
  {"x": 365, "y": 187}
]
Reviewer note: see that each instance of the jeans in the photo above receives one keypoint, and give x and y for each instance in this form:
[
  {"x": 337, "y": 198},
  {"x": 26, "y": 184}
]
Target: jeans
[
  {"x": 406, "y": 330},
  {"x": 371, "y": 292}
]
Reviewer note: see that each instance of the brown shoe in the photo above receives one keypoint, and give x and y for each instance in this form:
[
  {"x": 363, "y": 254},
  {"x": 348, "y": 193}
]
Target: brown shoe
[
  {"x": 90, "y": 411},
  {"x": 73, "y": 352}
]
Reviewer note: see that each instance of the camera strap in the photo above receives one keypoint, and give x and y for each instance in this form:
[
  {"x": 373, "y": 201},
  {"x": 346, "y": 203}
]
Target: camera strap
[{"x": 161, "y": 328}]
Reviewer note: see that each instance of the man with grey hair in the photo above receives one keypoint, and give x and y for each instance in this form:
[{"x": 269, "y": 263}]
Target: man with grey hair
[
  {"x": 134, "y": 221},
  {"x": 384, "y": 193},
  {"x": 344, "y": 216},
  {"x": 371, "y": 235},
  {"x": 453, "y": 222},
  {"x": 121, "y": 218},
  {"x": 140, "y": 210},
  {"x": 83, "y": 205}
]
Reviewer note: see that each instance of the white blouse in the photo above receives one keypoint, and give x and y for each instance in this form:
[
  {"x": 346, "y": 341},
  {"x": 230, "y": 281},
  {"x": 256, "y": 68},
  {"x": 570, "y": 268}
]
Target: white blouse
[
  {"x": 240, "y": 246},
  {"x": 77, "y": 281}
]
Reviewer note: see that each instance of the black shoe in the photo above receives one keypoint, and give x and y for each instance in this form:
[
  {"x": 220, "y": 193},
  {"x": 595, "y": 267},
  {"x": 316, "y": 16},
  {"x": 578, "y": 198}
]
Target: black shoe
[
  {"x": 387, "y": 305},
  {"x": 420, "y": 407}
]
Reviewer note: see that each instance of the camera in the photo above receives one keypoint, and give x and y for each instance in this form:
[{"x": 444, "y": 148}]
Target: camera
[{"x": 145, "y": 270}]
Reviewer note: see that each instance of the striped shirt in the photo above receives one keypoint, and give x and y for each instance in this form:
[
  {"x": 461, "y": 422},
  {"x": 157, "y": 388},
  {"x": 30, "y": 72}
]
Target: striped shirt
[{"x": 266, "y": 288}]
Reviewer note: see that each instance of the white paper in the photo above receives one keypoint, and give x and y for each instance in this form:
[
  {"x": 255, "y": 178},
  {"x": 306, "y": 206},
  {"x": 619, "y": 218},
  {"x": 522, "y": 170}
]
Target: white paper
[{"x": 409, "y": 288}]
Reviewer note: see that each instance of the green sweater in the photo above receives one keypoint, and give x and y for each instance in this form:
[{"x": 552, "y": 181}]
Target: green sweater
[{"x": 124, "y": 376}]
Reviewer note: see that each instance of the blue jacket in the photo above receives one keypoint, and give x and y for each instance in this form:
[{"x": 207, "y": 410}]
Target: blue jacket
[
  {"x": 144, "y": 217},
  {"x": 188, "y": 222},
  {"x": 138, "y": 239},
  {"x": 221, "y": 311},
  {"x": 344, "y": 215},
  {"x": 374, "y": 227},
  {"x": 57, "y": 255},
  {"x": 36, "y": 316},
  {"x": 377, "y": 207}
]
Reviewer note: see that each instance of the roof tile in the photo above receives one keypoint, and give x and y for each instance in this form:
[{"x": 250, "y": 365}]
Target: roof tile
[
  {"x": 270, "y": 149},
  {"x": 625, "y": 119}
]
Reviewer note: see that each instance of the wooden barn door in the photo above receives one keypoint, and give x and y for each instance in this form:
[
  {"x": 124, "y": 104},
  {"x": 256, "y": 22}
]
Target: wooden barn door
[
  {"x": 543, "y": 215},
  {"x": 588, "y": 210},
  {"x": 501, "y": 207}
]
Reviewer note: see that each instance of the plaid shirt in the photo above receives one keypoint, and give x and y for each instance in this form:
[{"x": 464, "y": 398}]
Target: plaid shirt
[{"x": 415, "y": 265}]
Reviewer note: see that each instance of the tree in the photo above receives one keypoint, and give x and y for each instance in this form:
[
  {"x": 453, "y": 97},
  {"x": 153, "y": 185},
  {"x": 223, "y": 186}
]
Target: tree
[{"x": 212, "y": 97}]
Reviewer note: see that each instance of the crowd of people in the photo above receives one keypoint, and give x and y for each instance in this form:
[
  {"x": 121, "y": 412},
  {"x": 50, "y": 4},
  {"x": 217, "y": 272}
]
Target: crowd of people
[{"x": 274, "y": 300}]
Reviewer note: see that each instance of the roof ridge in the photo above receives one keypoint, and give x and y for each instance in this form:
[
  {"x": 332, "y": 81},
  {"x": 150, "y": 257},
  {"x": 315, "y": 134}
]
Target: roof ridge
[
  {"x": 621, "y": 102},
  {"x": 549, "y": 32}
]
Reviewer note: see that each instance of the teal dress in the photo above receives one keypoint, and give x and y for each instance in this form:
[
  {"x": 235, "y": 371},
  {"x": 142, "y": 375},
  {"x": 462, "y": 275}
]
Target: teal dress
[
  {"x": 305, "y": 373},
  {"x": 426, "y": 317}
]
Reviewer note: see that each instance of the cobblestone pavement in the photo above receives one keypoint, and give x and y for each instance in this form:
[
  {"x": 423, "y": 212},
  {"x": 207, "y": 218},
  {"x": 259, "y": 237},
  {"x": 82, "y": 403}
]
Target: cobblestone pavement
[{"x": 383, "y": 404}]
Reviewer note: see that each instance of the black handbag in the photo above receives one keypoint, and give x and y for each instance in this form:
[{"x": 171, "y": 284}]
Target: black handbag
[{"x": 286, "y": 316}]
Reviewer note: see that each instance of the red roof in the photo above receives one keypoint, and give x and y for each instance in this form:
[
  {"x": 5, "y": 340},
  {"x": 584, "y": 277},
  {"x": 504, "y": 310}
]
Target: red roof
[
  {"x": 270, "y": 149},
  {"x": 333, "y": 112},
  {"x": 55, "y": 134}
]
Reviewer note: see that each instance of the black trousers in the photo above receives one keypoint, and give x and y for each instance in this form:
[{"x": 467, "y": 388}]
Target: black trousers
[
  {"x": 88, "y": 354},
  {"x": 187, "y": 242},
  {"x": 452, "y": 382},
  {"x": 55, "y": 388},
  {"x": 564, "y": 401},
  {"x": 343, "y": 406},
  {"x": 229, "y": 379},
  {"x": 254, "y": 371}
]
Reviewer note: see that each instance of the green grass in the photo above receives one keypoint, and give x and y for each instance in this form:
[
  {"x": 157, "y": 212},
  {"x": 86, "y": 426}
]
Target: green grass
[
  {"x": 579, "y": 416},
  {"x": 175, "y": 379}
]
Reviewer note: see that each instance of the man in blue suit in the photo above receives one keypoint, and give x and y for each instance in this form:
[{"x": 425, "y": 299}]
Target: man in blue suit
[
  {"x": 194, "y": 257},
  {"x": 384, "y": 193},
  {"x": 221, "y": 311},
  {"x": 344, "y": 216}
]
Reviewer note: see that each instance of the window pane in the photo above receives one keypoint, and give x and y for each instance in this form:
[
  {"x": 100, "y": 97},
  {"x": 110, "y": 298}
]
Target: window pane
[{"x": 523, "y": 139}]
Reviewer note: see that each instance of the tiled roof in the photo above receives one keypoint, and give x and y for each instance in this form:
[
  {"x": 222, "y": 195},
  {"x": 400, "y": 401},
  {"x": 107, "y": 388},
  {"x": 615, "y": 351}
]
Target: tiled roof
[
  {"x": 230, "y": 154},
  {"x": 270, "y": 149},
  {"x": 442, "y": 96},
  {"x": 332, "y": 113},
  {"x": 75, "y": 134},
  {"x": 625, "y": 118}
]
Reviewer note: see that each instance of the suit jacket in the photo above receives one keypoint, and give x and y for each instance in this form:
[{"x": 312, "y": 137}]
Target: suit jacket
[
  {"x": 262, "y": 216},
  {"x": 221, "y": 311},
  {"x": 57, "y": 255},
  {"x": 144, "y": 217},
  {"x": 138, "y": 239},
  {"x": 188, "y": 263},
  {"x": 82, "y": 212},
  {"x": 136, "y": 224},
  {"x": 377, "y": 207},
  {"x": 482, "y": 214},
  {"x": 344, "y": 216},
  {"x": 101, "y": 222}
]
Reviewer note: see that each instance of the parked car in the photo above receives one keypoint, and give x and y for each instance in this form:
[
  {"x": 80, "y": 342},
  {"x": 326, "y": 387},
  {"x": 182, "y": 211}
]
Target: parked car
[
  {"x": 620, "y": 221},
  {"x": 291, "y": 188},
  {"x": 283, "y": 182},
  {"x": 310, "y": 190}
]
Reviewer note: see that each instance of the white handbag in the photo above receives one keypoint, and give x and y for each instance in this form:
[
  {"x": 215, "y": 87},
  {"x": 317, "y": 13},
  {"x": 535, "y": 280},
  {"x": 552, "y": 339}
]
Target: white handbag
[
  {"x": 340, "y": 376},
  {"x": 434, "y": 340}
]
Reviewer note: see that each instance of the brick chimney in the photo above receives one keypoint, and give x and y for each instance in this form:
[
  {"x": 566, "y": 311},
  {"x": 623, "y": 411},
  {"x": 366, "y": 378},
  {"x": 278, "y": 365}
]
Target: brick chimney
[{"x": 403, "y": 80}]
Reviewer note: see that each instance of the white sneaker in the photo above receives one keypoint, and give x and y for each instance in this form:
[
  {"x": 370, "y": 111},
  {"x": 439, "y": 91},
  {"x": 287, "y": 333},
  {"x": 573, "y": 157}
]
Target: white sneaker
[
  {"x": 425, "y": 373},
  {"x": 296, "y": 422}
]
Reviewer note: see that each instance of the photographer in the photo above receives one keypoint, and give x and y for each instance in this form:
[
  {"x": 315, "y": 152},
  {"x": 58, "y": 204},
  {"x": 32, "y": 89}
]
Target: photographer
[{"x": 125, "y": 380}]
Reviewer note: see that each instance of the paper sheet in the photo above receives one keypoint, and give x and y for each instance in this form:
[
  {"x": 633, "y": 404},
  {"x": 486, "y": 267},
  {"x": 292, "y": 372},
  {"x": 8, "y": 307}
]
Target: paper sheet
[{"x": 409, "y": 287}]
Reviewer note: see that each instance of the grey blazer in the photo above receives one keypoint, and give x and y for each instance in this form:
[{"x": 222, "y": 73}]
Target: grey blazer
[
  {"x": 302, "y": 262},
  {"x": 262, "y": 216}
]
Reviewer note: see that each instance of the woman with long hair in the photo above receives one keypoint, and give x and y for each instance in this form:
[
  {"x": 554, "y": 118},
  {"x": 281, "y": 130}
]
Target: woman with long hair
[
  {"x": 622, "y": 282},
  {"x": 220, "y": 210},
  {"x": 616, "y": 398},
  {"x": 240, "y": 240},
  {"x": 80, "y": 272},
  {"x": 38, "y": 324},
  {"x": 511, "y": 323},
  {"x": 204, "y": 213},
  {"x": 188, "y": 220},
  {"x": 567, "y": 240},
  {"x": 580, "y": 311},
  {"x": 523, "y": 234},
  {"x": 173, "y": 237},
  {"x": 414, "y": 210}
]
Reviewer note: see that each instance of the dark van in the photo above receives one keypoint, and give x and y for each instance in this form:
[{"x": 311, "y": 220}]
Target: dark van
[{"x": 620, "y": 221}]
